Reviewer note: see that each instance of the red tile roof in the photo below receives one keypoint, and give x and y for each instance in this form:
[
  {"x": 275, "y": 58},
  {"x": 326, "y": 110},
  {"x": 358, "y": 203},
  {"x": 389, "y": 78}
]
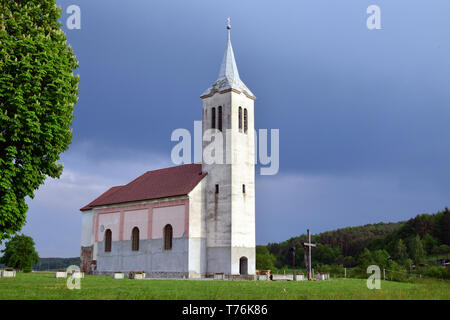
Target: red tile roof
[{"x": 156, "y": 184}]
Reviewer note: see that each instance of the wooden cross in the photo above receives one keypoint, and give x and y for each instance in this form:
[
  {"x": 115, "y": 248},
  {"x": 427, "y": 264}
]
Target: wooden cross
[{"x": 309, "y": 245}]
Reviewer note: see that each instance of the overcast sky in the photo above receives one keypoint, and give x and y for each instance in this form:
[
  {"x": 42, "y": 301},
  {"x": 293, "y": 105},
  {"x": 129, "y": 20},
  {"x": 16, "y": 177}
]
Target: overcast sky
[{"x": 363, "y": 114}]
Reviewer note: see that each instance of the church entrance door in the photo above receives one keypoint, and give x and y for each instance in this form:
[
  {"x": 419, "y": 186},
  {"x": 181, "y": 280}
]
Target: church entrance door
[{"x": 243, "y": 266}]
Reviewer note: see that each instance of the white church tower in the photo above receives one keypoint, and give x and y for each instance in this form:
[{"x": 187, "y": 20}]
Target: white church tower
[{"x": 228, "y": 108}]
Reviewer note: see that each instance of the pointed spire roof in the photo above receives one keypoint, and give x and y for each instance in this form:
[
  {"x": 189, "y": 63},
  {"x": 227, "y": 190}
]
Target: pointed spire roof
[{"x": 228, "y": 75}]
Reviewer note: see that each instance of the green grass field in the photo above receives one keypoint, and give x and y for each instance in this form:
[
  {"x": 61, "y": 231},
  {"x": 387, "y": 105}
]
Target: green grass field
[{"x": 45, "y": 286}]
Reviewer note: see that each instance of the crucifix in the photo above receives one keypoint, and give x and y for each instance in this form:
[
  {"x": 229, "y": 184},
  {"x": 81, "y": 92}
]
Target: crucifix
[{"x": 308, "y": 254}]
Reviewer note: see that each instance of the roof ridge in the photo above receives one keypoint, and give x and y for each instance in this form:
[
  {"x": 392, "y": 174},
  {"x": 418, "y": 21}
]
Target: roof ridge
[{"x": 177, "y": 166}]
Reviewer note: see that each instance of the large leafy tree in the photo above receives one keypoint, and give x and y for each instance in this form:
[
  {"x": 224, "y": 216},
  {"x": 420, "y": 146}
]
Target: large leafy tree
[
  {"x": 380, "y": 258},
  {"x": 400, "y": 253},
  {"x": 19, "y": 253},
  {"x": 417, "y": 253},
  {"x": 264, "y": 259},
  {"x": 37, "y": 94}
]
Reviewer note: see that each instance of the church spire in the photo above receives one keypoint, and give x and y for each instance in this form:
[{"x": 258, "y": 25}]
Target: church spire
[
  {"x": 228, "y": 68},
  {"x": 228, "y": 75}
]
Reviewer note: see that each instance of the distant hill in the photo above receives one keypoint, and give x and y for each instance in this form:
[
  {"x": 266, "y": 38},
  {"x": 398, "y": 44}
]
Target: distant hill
[
  {"x": 55, "y": 263},
  {"x": 352, "y": 240},
  {"x": 344, "y": 246}
]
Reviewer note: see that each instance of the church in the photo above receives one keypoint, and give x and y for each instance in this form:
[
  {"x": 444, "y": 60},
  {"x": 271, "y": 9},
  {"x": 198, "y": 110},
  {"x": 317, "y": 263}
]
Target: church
[{"x": 188, "y": 221}]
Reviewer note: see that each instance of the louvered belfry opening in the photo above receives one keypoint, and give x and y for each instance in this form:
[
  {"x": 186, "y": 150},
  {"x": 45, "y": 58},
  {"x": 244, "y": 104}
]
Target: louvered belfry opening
[
  {"x": 245, "y": 121},
  {"x": 240, "y": 119},
  {"x": 219, "y": 118}
]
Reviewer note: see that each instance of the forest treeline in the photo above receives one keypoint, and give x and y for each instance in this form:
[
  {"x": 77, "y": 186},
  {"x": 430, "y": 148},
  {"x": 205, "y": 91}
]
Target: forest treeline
[
  {"x": 55, "y": 263},
  {"x": 405, "y": 243}
]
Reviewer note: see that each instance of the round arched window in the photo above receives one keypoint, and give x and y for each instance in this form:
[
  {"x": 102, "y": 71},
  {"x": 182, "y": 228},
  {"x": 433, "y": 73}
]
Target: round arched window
[
  {"x": 135, "y": 239},
  {"x": 168, "y": 235}
]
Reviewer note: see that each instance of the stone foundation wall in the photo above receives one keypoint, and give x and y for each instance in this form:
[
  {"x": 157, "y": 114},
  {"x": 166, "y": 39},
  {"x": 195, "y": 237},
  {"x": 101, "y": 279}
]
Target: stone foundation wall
[
  {"x": 151, "y": 275},
  {"x": 150, "y": 258}
]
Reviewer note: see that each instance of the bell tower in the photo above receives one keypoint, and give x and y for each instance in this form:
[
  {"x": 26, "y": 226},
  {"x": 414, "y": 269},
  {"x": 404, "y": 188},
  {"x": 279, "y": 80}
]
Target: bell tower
[{"x": 228, "y": 111}]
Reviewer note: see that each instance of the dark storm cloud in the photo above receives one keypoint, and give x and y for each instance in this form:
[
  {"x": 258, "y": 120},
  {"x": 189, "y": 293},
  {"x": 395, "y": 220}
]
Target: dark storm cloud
[{"x": 362, "y": 114}]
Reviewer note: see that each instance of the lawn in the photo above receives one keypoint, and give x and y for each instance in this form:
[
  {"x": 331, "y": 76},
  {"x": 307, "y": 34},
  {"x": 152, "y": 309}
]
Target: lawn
[{"x": 45, "y": 286}]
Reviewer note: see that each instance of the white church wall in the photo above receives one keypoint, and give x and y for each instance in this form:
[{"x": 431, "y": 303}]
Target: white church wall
[
  {"x": 197, "y": 231},
  {"x": 243, "y": 173},
  {"x": 94, "y": 255},
  {"x": 197, "y": 226},
  {"x": 87, "y": 240},
  {"x": 218, "y": 205},
  {"x": 230, "y": 217},
  {"x": 87, "y": 230}
]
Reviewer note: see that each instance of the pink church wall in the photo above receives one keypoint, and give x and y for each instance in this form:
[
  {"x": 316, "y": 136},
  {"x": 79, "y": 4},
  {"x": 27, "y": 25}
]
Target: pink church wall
[
  {"x": 108, "y": 221},
  {"x": 149, "y": 218},
  {"x": 174, "y": 216},
  {"x": 136, "y": 218}
]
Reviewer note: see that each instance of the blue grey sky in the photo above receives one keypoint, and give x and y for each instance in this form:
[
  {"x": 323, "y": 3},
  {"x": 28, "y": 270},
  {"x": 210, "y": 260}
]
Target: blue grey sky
[{"x": 363, "y": 114}]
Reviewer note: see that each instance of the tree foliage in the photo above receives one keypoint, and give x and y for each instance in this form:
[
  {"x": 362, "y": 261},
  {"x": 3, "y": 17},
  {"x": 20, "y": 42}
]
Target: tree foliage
[
  {"x": 400, "y": 253},
  {"x": 55, "y": 263},
  {"x": 405, "y": 242},
  {"x": 416, "y": 251},
  {"x": 429, "y": 243},
  {"x": 342, "y": 246},
  {"x": 264, "y": 259},
  {"x": 37, "y": 94},
  {"x": 19, "y": 253}
]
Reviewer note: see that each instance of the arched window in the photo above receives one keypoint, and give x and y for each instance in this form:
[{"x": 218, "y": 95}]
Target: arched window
[
  {"x": 240, "y": 119},
  {"x": 135, "y": 239},
  {"x": 220, "y": 118},
  {"x": 108, "y": 238},
  {"x": 168, "y": 235},
  {"x": 245, "y": 121},
  {"x": 213, "y": 118}
]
